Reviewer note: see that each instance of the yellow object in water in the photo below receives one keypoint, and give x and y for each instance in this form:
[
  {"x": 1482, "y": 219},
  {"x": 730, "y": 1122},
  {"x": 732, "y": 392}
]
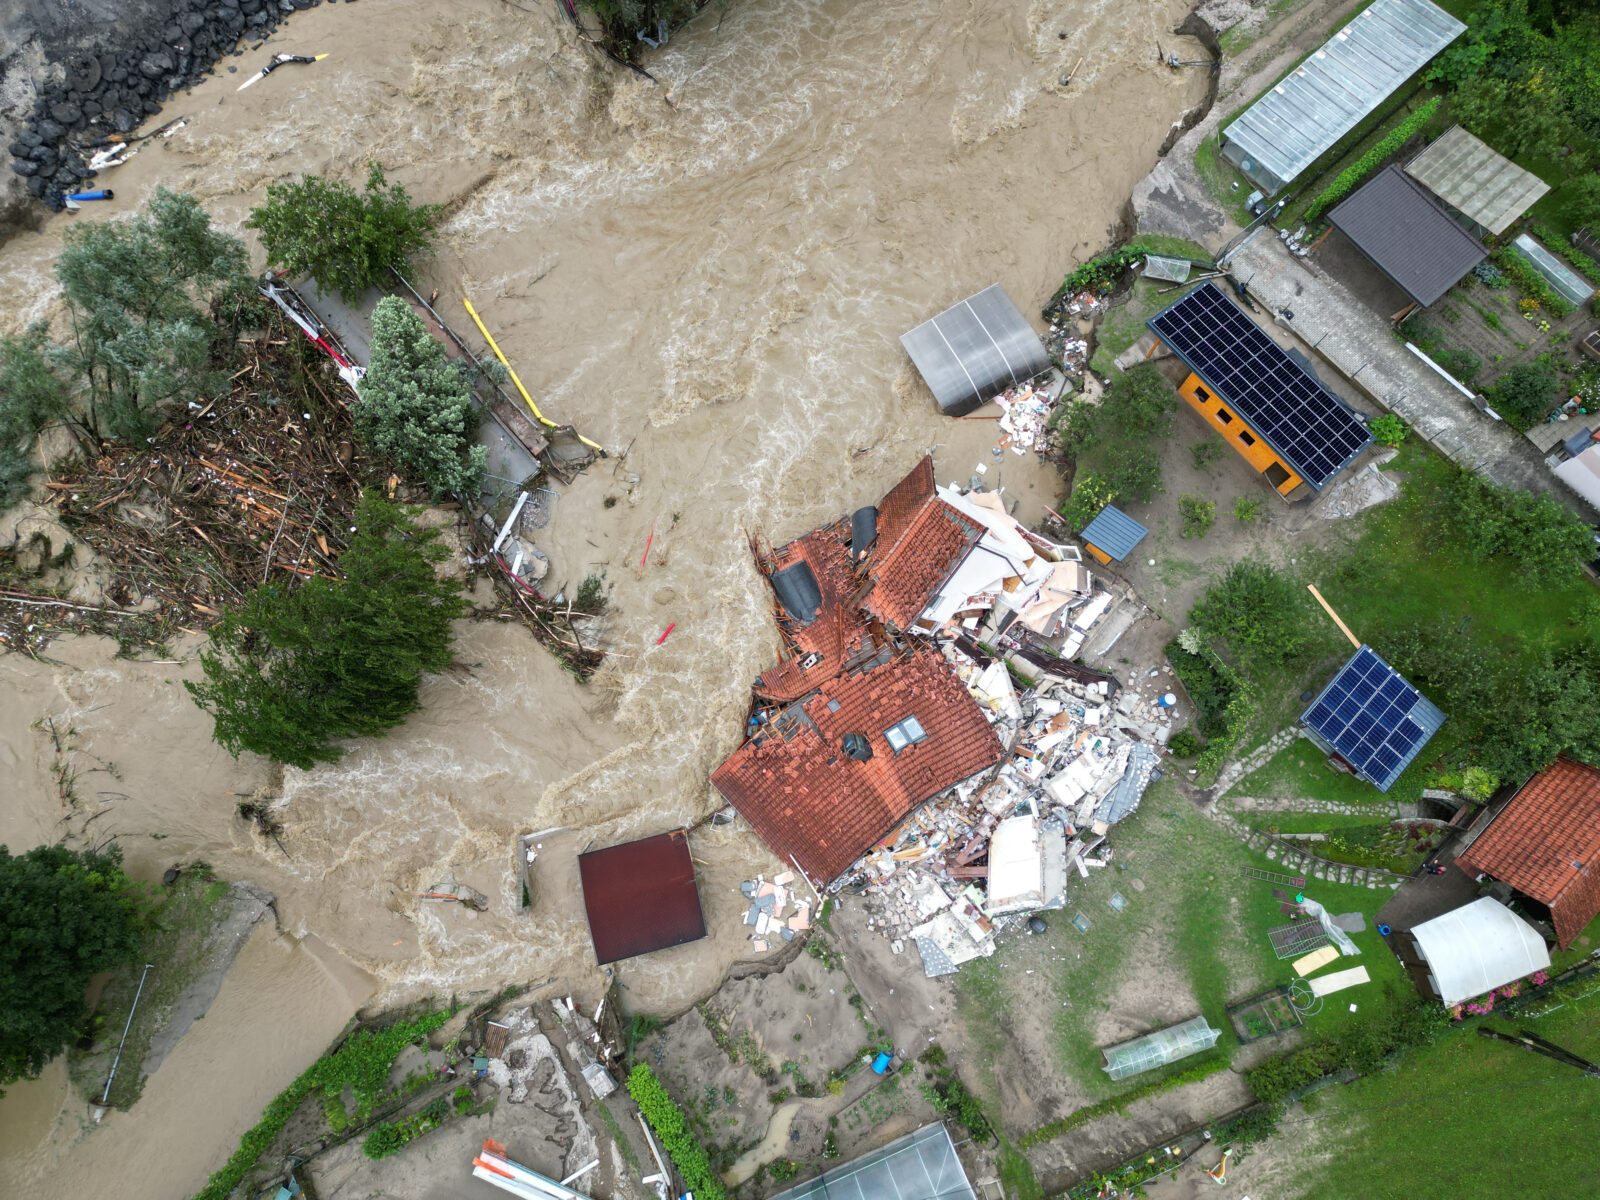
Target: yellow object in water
[{"x": 488, "y": 337}]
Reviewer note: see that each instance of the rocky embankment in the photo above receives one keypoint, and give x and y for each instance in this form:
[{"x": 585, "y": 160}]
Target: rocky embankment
[{"x": 75, "y": 73}]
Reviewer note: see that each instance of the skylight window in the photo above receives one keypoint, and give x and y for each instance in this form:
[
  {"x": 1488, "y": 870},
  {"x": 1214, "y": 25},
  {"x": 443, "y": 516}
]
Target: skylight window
[{"x": 906, "y": 733}]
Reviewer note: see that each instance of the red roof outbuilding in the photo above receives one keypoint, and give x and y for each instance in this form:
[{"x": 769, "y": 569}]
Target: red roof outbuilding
[
  {"x": 641, "y": 896},
  {"x": 1546, "y": 843}
]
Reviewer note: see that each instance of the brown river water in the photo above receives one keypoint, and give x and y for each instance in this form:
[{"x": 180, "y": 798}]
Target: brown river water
[{"x": 719, "y": 282}]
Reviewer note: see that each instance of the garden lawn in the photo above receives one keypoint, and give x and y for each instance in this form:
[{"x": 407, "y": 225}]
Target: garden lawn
[
  {"x": 1300, "y": 771},
  {"x": 1198, "y": 924},
  {"x": 1468, "y": 1118}
]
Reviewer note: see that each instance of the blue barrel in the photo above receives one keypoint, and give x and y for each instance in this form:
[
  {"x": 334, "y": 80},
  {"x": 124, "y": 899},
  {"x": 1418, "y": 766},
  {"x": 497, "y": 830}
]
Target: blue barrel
[
  {"x": 880, "y": 1065},
  {"x": 97, "y": 194}
]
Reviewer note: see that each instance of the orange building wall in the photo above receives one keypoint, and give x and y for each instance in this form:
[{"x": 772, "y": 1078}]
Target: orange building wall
[{"x": 1250, "y": 445}]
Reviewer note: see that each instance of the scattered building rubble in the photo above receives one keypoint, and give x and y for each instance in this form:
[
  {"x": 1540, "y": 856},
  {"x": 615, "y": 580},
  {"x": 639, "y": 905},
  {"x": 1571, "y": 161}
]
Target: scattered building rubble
[
  {"x": 1064, "y": 342},
  {"x": 768, "y": 901}
]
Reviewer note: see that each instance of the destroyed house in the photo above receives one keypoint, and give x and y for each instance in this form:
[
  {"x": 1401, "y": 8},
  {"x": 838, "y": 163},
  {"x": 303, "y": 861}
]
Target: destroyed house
[
  {"x": 1544, "y": 845},
  {"x": 835, "y": 770},
  {"x": 1265, "y": 402}
]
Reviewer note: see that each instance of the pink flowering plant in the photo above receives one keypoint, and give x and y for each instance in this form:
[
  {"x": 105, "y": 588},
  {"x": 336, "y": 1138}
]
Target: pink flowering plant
[{"x": 1484, "y": 1005}]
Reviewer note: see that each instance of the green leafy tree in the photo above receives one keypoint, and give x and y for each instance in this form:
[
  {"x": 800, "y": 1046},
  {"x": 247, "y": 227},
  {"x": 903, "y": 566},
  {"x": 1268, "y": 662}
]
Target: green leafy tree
[
  {"x": 32, "y": 395},
  {"x": 64, "y": 915},
  {"x": 1547, "y": 540},
  {"x": 1525, "y": 394},
  {"x": 1119, "y": 439},
  {"x": 1090, "y": 493},
  {"x": 1258, "y": 611},
  {"x": 138, "y": 295},
  {"x": 344, "y": 239},
  {"x": 416, "y": 406},
  {"x": 294, "y": 669}
]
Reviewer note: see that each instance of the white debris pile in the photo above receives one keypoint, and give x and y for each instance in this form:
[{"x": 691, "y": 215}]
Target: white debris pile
[
  {"x": 768, "y": 901},
  {"x": 1025, "y": 411},
  {"x": 981, "y": 858}
]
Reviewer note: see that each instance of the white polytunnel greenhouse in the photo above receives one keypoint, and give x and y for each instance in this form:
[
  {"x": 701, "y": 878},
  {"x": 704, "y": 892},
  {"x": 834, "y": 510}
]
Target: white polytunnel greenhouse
[{"x": 1160, "y": 1048}]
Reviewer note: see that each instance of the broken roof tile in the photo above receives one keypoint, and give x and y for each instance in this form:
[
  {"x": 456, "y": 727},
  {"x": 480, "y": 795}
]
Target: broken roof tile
[{"x": 909, "y": 573}]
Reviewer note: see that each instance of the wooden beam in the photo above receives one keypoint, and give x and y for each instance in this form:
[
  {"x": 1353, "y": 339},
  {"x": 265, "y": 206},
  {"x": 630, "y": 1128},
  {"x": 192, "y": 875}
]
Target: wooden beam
[
  {"x": 1328, "y": 608},
  {"x": 1404, "y": 312},
  {"x": 1320, "y": 240}
]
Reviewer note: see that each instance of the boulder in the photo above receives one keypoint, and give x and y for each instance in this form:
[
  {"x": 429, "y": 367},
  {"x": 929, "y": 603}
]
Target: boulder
[{"x": 154, "y": 66}]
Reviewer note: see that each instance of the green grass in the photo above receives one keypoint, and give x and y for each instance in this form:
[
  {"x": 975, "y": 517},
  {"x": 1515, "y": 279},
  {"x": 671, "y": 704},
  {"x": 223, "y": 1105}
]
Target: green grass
[
  {"x": 1301, "y": 771},
  {"x": 1303, "y": 822},
  {"x": 1016, "y": 1174},
  {"x": 1219, "y": 176},
  {"x": 1468, "y": 1118},
  {"x": 1210, "y": 920}
]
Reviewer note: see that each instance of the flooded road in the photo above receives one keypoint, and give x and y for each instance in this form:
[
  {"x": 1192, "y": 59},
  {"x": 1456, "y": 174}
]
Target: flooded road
[{"x": 717, "y": 281}]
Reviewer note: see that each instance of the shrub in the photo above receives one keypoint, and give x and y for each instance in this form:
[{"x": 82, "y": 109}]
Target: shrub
[
  {"x": 1198, "y": 516},
  {"x": 1246, "y": 509},
  {"x": 1463, "y": 364},
  {"x": 1363, "y": 1047},
  {"x": 416, "y": 405},
  {"x": 345, "y": 240},
  {"x": 1207, "y": 452},
  {"x": 1185, "y": 743},
  {"x": 1545, "y": 538},
  {"x": 32, "y": 395},
  {"x": 1525, "y": 394},
  {"x": 665, "y": 1118},
  {"x": 1387, "y": 430},
  {"x": 1119, "y": 439},
  {"x": 1209, "y": 689},
  {"x": 1345, "y": 182},
  {"x": 1258, "y": 611},
  {"x": 591, "y": 593},
  {"x": 1090, "y": 493}
]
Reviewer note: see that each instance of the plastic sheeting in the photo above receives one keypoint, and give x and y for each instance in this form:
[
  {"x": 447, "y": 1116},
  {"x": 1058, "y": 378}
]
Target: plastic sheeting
[
  {"x": 972, "y": 352},
  {"x": 919, "y": 1166},
  {"x": 1479, "y": 946},
  {"x": 1159, "y": 1048}
]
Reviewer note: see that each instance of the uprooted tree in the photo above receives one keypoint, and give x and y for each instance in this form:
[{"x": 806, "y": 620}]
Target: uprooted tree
[
  {"x": 140, "y": 293},
  {"x": 64, "y": 916},
  {"x": 344, "y": 239},
  {"x": 294, "y": 669},
  {"x": 416, "y": 406}
]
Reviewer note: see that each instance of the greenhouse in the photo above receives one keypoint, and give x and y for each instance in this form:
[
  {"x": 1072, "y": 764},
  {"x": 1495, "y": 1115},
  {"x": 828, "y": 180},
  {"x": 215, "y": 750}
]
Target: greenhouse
[{"x": 1160, "y": 1048}]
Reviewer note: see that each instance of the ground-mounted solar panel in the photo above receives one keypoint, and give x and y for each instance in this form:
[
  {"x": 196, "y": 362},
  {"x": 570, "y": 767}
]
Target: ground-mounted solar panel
[
  {"x": 1313, "y": 430},
  {"x": 1372, "y": 718}
]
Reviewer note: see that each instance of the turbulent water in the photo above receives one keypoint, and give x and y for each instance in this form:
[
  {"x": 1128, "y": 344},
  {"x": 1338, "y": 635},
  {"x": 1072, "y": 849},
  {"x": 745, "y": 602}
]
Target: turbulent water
[{"x": 714, "y": 271}]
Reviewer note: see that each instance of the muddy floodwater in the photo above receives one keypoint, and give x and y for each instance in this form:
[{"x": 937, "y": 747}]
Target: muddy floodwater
[{"x": 713, "y": 272}]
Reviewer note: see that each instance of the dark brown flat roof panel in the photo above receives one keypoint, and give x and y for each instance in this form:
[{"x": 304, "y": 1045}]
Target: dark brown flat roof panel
[
  {"x": 641, "y": 896},
  {"x": 1408, "y": 235}
]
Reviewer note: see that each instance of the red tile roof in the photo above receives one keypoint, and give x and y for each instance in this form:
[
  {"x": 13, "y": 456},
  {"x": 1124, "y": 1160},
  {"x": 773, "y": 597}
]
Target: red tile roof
[
  {"x": 1546, "y": 844},
  {"x": 839, "y": 626},
  {"x": 907, "y": 573},
  {"x": 805, "y": 797},
  {"x": 905, "y": 500}
]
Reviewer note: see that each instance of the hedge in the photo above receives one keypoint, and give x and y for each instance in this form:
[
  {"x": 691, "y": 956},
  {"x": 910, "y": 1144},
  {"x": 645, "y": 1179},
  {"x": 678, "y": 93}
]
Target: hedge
[
  {"x": 1347, "y": 179},
  {"x": 362, "y": 1063},
  {"x": 1361, "y": 1048},
  {"x": 1116, "y": 1104},
  {"x": 687, "y": 1155}
]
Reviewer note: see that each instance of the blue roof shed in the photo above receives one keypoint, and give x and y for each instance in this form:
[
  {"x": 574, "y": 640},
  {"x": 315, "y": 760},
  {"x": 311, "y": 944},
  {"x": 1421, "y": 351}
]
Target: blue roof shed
[
  {"x": 1370, "y": 717},
  {"x": 1113, "y": 534}
]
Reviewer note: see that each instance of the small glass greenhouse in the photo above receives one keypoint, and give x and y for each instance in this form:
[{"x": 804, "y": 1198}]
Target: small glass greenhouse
[{"x": 1160, "y": 1048}]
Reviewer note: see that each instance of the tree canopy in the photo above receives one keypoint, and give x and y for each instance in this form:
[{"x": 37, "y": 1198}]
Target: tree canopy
[
  {"x": 1117, "y": 443},
  {"x": 344, "y": 239},
  {"x": 31, "y": 396},
  {"x": 138, "y": 291},
  {"x": 295, "y": 668},
  {"x": 1258, "y": 611},
  {"x": 64, "y": 915},
  {"x": 416, "y": 406}
]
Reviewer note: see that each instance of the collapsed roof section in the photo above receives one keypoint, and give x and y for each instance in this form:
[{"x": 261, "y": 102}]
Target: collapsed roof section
[{"x": 810, "y": 799}]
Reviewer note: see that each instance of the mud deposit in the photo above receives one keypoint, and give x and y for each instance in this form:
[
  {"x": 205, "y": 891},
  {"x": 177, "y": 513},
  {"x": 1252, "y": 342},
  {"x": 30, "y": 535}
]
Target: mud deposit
[{"x": 718, "y": 282}]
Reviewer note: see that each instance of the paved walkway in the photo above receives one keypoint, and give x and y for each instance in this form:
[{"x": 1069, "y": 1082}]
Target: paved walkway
[{"x": 1361, "y": 345}]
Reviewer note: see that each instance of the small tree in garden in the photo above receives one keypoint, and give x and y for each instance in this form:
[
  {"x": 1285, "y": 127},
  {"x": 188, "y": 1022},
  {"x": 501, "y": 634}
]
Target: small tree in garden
[
  {"x": 344, "y": 239},
  {"x": 1387, "y": 430},
  {"x": 1525, "y": 394},
  {"x": 293, "y": 669},
  {"x": 1090, "y": 493},
  {"x": 416, "y": 407},
  {"x": 1198, "y": 516},
  {"x": 1260, "y": 612}
]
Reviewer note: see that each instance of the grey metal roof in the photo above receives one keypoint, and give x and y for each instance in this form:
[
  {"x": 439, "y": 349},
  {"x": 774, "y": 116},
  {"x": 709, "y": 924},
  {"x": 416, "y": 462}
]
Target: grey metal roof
[
  {"x": 1485, "y": 187},
  {"x": 972, "y": 352},
  {"x": 1114, "y": 532},
  {"x": 919, "y": 1166},
  {"x": 1401, "y": 228},
  {"x": 1326, "y": 96},
  {"x": 1129, "y": 790}
]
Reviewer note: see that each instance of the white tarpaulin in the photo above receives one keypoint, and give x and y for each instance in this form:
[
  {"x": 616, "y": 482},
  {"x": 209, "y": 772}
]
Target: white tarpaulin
[{"x": 1477, "y": 947}]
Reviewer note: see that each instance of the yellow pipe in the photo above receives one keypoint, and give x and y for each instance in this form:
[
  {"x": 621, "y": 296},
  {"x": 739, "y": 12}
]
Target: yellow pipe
[{"x": 489, "y": 337}]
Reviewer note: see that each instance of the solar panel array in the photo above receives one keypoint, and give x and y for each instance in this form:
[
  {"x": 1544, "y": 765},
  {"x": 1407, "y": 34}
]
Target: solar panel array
[
  {"x": 1316, "y": 433},
  {"x": 1373, "y": 718}
]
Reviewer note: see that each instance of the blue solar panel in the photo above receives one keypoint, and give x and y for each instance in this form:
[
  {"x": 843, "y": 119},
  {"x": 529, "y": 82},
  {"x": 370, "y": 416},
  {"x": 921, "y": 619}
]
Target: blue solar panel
[
  {"x": 1372, "y": 718},
  {"x": 1313, "y": 430}
]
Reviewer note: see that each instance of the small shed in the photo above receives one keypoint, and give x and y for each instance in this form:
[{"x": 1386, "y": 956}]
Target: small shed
[
  {"x": 1474, "y": 948},
  {"x": 1113, "y": 534},
  {"x": 922, "y": 1165},
  {"x": 1329, "y": 94},
  {"x": 1159, "y": 1048},
  {"x": 973, "y": 352},
  {"x": 1486, "y": 189},
  {"x": 1371, "y": 719},
  {"x": 641, "y": 896},
  {"x": 1408, "y": 235}
]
